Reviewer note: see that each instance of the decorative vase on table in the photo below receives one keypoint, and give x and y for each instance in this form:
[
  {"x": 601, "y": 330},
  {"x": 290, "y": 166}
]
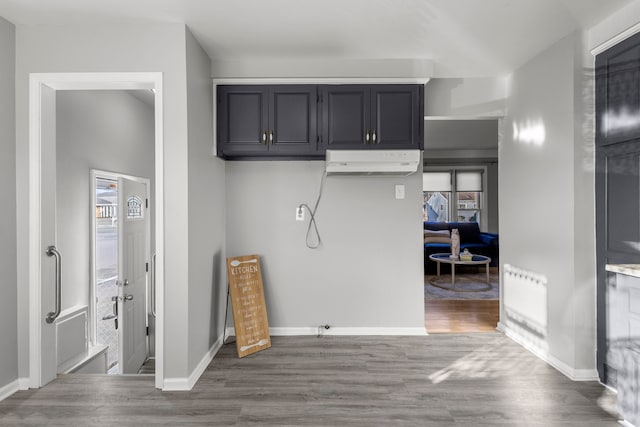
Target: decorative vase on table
[{"x": 455, "y": 243}]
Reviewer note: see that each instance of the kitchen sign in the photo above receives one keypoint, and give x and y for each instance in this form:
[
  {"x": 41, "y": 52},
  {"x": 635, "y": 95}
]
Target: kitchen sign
[{"x": 247, "y": 302}]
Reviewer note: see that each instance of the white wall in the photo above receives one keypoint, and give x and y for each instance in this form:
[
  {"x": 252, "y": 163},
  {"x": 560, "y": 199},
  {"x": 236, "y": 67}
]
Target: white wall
[
  {"x": 368, "y": 271},
  {"x": 106, "y": 130},
  {"x": 207, "y": 262},
  {"x": 8, "y": 312},
  {"x": 117, "y": 48},
  {"x": 481, "y": 96},
  {"x": 325, "y": 68},
  {"x": 547, "y": 201},
  {"x": 613, "y": 25}
]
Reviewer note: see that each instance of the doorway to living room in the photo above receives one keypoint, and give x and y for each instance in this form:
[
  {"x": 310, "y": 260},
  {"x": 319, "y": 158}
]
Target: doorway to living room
[{"x": 460, "y": 227}]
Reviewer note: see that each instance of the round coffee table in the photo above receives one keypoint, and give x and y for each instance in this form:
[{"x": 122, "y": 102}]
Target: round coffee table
[{"x": 447, "y": 259}]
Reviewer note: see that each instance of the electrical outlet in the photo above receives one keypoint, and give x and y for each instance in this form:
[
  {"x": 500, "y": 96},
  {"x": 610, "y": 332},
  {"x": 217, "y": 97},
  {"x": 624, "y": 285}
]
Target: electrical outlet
[
  {"x": 400, "y": 191},
  {"x": 299, "y": 214}
]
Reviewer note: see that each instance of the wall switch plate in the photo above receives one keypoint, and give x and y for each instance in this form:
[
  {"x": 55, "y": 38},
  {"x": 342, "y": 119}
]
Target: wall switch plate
[
  {"x": 400, "y": 191},
  {"x": 299, "y": 214}
]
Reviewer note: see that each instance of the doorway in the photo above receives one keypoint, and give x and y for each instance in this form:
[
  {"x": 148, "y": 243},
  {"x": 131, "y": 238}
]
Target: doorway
[
  {"x": 460, "y": 188},
  {"x": 44, "y": 293},
  {"x": 122, "y": 290}
]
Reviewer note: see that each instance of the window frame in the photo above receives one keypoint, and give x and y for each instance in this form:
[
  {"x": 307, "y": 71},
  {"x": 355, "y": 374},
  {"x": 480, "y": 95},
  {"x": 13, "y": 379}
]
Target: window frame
[{"x": 453, "y": 205}]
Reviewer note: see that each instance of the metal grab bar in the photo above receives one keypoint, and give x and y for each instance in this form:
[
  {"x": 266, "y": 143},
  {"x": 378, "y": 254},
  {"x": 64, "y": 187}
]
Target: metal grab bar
[
  {"x": 52, "y": 251},
  {"x": 153, "y": 285}
]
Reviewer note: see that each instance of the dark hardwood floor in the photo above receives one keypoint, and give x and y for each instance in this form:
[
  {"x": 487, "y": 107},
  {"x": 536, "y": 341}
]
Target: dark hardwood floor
[{"x": 441, "y": 380}]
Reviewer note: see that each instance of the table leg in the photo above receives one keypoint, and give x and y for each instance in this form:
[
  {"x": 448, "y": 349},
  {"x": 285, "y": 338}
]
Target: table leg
[
  {"x": 453, "y": 275},
  {"x": 487, "y": 269},
  {"x": 438, "y": 267}
]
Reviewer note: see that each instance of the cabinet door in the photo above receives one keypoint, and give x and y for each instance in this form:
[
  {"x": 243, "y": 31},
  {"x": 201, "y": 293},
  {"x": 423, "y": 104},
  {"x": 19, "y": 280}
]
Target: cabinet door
[
  {"x": 617, "y": 238},
  {"x": 397, "y": 116},
  {"x": 618, "y": 93},
  {"x": 243, "y": 118},
  {"x": 293, "y": 119},
  {"x": 346, "y": 118}
]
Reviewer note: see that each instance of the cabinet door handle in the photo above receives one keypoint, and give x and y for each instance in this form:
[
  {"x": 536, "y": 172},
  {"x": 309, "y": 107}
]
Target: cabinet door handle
[
  {"x": 366, "y": 137},
  {"x": 374, "y": 137},
  {"x": 264, "y": 137},
  {"x": 271, "y": 137}
]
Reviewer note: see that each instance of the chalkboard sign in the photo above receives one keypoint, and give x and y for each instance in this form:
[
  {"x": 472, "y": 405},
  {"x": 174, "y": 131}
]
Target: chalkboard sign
[{"x": 247, "y": 302}]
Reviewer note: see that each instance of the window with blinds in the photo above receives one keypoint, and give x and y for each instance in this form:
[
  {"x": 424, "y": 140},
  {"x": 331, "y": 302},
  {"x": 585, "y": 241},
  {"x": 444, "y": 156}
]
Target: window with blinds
[{"x": 453, "y": 196}]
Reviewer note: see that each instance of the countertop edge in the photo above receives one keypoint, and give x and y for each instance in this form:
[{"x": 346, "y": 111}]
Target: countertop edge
[{"x": 627, "y": 269}]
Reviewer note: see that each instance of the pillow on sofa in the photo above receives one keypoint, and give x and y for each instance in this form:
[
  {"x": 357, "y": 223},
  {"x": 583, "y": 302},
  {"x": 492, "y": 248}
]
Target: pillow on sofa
[
  {"x": 436, "y": 225},
  {"x": 469, "y": 231},
  {"x": 437, "y": 236}
]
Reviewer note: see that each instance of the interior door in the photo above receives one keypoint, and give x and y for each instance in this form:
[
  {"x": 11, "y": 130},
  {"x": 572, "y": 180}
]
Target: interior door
[{"x": 133, "y": 223}]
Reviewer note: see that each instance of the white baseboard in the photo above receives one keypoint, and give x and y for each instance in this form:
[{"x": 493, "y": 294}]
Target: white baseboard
[
  {"x": 186, "y": 384},
  {"x": 346, "y": 331},
  {"x": 13, "y": 386},
  {"x": 571, "y": 373}
]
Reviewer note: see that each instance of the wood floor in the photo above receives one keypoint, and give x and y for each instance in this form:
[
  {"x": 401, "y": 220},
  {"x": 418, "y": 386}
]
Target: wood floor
[
  {"x": 456, "y": 316},
  {"x": 443, "y": 380}
]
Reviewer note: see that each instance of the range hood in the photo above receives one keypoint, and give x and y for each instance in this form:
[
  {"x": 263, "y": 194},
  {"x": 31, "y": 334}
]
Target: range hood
[{"x": 372, "y": 162}]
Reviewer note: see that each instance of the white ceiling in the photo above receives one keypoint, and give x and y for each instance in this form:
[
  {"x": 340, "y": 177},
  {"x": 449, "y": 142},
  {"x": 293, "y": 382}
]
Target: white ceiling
[{"x": 464, "y": 38}]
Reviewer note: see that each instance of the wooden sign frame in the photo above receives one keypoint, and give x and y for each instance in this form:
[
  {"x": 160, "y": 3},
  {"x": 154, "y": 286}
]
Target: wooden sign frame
[{"x": 247, "y": 303}]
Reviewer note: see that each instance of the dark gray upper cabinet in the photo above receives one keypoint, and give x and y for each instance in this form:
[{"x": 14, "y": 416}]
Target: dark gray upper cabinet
[
  {"x": 618, "y": 93},
  {"x": 302, "y": 121},
  {"x": 267, "y": 120},
  {"x": 372, "y": 116},
  {"x": 346, "y": 116},
  {"x": 243, "y": 118}
]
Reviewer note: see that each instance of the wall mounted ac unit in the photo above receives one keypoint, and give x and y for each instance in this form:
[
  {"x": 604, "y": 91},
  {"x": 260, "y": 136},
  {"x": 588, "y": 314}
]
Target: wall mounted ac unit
[{"x": 372, "y": 162}]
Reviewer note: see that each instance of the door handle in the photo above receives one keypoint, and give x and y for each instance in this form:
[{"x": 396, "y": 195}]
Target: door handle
[
  {"x": 366, "y": 137},
  {"x": 127, "y": 298},
  {"x": 374, "y": 137},
  {"x": 52, "y": 251},
  {"x": 115, "y": 311},
  {"x": 271, "y": 137},
  {"x": 264, "y": 137},
  {"x": 123, "y": 283},
  {"x": 109, "y": 317}
]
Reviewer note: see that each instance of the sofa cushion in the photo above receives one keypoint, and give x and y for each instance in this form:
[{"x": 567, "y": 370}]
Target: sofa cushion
[
  {"x": 434, "y": 225},
  {"x": 469, "y": 231},
  {"x": 437, "y": 236}
]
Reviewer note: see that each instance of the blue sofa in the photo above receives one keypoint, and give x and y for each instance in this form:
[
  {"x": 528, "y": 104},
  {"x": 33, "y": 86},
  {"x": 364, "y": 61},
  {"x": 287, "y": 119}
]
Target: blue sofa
[{"x": 471, "y": 238}]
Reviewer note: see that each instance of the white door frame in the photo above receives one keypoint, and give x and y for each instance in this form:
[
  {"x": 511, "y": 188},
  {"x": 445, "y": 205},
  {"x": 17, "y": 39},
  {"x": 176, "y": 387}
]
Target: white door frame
[{"x": 38, "y": 82}]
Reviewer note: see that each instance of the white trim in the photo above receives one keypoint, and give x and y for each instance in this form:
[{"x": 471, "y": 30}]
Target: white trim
[
  {"x": 343, "y": 331},
  {"x": 625, "y": 423},
  {"x": 319, "y": 80},
  {"x": 14, "y": 386},
  {"x": 429, "y": 118},
  {"x": 186, "y": 384},
  {"x": 33, "y": 268},
  {"x": 176, "y": 384},
  {"x": 616, "y": 39},
  {"x": 87, "y": 81},
  {"x": 571, "y": 373}
]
